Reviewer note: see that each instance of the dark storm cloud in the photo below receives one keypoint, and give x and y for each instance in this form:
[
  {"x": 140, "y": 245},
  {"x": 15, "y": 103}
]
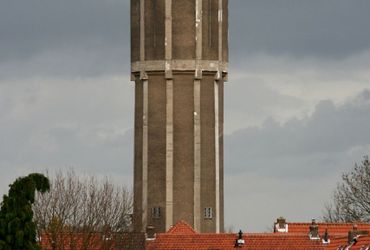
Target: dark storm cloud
[
  {"x": 327, "y": 29},
  {"x": 70, "y": 36},
  {"x": 302, "y": 147},
  {"x": 91, "y": 37}
]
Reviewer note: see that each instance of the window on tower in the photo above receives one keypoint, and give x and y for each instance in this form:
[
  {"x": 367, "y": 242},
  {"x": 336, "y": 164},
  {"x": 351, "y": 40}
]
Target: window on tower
[
  {"x": 156, "y": 212},
  {"x": 208, "y": 213}
]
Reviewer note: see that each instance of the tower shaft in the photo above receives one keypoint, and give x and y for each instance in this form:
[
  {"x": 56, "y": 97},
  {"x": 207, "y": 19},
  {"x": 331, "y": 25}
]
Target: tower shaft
[{"x": 179, "y": 54}]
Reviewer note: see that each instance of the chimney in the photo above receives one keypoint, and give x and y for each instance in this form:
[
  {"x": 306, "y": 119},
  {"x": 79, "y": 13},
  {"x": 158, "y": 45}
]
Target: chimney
[
  {"x": 354, "y": 233},
  {"x": 281, "y": 226},
  {"x": 352, "y": 237},
  {"x": 150, "y": 232},
  {"x": 314, "y": 231}
]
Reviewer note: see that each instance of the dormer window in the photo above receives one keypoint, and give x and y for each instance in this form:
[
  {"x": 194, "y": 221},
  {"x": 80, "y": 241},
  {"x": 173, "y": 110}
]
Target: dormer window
[
  {"x": 208, "y": 213},
  {"x": 156, "y": 212}
]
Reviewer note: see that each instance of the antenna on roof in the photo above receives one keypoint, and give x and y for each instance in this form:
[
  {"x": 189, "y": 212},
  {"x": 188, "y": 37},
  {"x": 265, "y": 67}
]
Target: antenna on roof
[
  {"x": 325, "y": 237},
  {"x": 239, "y": 242}
]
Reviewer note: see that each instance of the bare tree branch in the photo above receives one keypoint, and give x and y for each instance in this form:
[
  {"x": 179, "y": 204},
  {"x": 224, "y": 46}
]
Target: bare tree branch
[
  {"x": 351, "y": 199},
  {"x": 84, "y": 208}
]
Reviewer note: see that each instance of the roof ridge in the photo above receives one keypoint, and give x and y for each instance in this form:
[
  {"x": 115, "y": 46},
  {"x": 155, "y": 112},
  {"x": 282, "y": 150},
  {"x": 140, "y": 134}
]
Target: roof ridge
[
  {"x": 181, "y": 227},
  {"x": 329, "y": 223}
]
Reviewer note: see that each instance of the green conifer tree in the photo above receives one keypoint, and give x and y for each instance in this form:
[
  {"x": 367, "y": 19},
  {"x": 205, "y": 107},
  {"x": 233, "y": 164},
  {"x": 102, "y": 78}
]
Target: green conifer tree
[{"x": 17, "y": 229}]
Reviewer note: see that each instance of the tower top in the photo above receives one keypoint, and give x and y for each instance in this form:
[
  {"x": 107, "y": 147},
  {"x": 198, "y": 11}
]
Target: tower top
[{"x": 170, "y": 35}]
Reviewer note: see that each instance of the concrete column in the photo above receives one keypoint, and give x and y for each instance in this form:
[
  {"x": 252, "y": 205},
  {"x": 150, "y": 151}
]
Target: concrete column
[
  {"x": 217, "y": 116},
  {"x": 220, "y": 31},
  {"x": 169, "y": 114},
  {"x": 197, "y": 115},
  {"x": 169, "y": 154},
  {"x": 145, "y": 156},
  {"x": 217, "y": 156},
  {"x": 145, "y": 119},
  {"x": 197, "y": 155},
  {"x": 168, "y": 39}
]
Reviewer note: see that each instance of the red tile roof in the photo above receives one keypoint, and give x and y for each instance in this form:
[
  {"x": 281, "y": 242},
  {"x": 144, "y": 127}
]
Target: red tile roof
[
  {"x": 181, "y": 228},
  {"x": 362, "y": 243},
  {"x": 333, "y": 228},
  {"x": 182, "y": 237},
  {"x": 227, "y": 242}
]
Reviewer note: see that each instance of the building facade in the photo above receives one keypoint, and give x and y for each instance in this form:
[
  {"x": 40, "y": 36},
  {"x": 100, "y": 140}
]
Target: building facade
[{"x": 179, "y": 61}]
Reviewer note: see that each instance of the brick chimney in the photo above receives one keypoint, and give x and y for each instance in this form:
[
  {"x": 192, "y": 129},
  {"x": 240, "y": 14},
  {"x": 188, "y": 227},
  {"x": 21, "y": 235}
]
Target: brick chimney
[
  {"x": 314, "y": 230},
  {"x": 150, "y": 232},
  {"x": 354, "y": 233},
  {"x": 280, "y": 225}
]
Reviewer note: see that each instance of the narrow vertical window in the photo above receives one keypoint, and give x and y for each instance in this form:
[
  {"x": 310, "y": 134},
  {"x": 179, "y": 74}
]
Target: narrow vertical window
[
  {"x": 208, "y": 213},
  {"x": 156, "y": 212}
]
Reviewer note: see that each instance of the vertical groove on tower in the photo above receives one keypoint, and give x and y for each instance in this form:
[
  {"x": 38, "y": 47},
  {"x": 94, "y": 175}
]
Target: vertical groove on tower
[
  {"x": 169, "y": 115},
  {"x": 197, "y": 115}
]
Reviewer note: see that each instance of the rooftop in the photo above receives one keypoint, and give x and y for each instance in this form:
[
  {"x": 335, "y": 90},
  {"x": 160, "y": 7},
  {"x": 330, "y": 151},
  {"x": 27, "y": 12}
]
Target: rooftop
[{"x": 297, "y": 236}]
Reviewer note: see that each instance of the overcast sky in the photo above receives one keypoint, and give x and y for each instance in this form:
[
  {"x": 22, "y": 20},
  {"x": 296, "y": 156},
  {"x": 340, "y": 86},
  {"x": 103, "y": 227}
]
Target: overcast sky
[{"x": 297, "y": 105}]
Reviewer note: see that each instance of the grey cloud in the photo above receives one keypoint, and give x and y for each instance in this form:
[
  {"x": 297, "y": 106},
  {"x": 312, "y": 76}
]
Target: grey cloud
[
  {"x": 325, "y": 29},
  {"x": 58, "y": 147},
  {"x": 81, "y": 124},
  {"x": 90, "y": 59},
  {"x": 93, "y": 33},
  {"x": 49, "y": 124},
  {"x": 311, "y": 146},
  {"x": 291, "y": 169},
  {"x": 37, "y": 25},
  {"x": 249, "y": 100},
  {"x": 91, "y": 37}
]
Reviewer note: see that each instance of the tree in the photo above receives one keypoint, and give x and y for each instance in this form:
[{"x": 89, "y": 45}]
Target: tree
[
  {"x": 17, "y": 229},
  {"x": 87, "y": 207},
  {"x": 351, "y": 199}
]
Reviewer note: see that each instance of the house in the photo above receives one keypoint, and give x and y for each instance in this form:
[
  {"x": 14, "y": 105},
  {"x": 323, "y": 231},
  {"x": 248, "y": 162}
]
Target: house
[
  {"x": 325, "y": 236},
  {"x": 181, "y": 236}
]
